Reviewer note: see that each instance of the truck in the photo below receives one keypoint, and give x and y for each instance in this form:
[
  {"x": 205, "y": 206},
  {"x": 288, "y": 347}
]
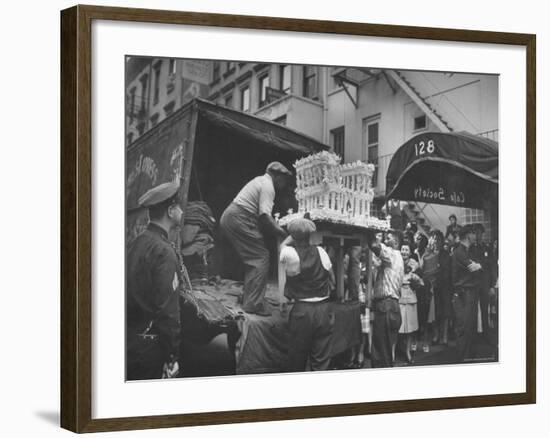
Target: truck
[{"x": 213, "y": 151}]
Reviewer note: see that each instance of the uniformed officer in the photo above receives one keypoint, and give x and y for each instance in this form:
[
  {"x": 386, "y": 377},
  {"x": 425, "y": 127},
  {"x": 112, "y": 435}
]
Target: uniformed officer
[
  {"x": 465, "y": 276},
  {"x": 481, "y": 253},
  {"x": 152, "y": 298}
]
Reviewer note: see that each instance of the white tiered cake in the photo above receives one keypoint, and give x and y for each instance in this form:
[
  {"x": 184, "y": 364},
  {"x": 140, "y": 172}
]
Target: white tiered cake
[{"x": 334, "y": 192}]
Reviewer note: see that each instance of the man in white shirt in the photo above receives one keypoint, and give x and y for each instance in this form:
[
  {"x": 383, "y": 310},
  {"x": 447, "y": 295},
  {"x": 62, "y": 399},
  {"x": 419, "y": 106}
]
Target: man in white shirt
[
  {"x": 387, "y": 290},
  {"x": 243, "y": 222},
  {"x": 311, "y": 320}
]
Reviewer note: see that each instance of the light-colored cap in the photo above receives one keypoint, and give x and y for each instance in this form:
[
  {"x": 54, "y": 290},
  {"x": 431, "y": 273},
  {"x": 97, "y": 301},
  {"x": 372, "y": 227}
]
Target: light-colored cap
[
  {"x": 275, "y": 166},
  {"x": 159, "y": 194},
  {"x": 300, "y": 228}
]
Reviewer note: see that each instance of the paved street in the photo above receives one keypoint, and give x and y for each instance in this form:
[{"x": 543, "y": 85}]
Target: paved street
[{"x": 214, "y": 359}]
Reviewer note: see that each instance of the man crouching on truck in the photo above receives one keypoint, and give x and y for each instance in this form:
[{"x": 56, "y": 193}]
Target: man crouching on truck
[{"x": 242, "y": 222}]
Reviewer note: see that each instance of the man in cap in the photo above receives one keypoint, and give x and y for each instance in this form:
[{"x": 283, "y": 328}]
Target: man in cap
[
  {"x": 243, "y": 222},
  {"x": 311, "y": 320},
  {"x": 465, "y": 277},
  {"x": 387, "y": 291},
  {"x": 452, "y": 228},
  {"x": 152, "y": 298}
]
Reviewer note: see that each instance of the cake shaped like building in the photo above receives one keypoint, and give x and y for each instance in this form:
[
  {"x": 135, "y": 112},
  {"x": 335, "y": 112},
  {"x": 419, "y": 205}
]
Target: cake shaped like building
[{"x": 334, "y": 192}]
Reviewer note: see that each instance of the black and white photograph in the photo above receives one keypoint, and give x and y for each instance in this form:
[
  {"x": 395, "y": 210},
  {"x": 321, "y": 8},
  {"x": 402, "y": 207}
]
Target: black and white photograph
[{"x": 292, "y": 218}]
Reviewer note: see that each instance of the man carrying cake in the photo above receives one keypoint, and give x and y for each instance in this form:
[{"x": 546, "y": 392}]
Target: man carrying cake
[
  {"x": 311, "y": 320},
  {"x": 243, "y": 222}
]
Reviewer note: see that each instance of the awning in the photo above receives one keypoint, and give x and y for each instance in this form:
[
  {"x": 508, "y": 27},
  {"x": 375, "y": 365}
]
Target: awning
[{"x": 456, "y": 168}]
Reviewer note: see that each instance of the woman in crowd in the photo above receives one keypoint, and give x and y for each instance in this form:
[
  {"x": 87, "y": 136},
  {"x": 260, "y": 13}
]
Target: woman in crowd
[
  {"x": 408, "y": 235},
  {"x": 421, "y": 242},
  {"x": 443, "y": 286},
  {"x": 408, "y": 300},
  {"x": 430, "y": 270},
  {"x": 422, "y": 293}
]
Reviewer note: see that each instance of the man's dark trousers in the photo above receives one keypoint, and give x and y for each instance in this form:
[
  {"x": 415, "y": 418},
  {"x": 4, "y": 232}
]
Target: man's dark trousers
[
  {"x": 311, "y": 326},
  {"x": 465, "y": 302},
  {"x": 387, "y": 320}
]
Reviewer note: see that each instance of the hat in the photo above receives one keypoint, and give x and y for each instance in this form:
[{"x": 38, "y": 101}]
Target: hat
[
  {"x": 466, "y": 229},
  {"x": 159, "y": 194},
  {"x": 300, "y": 228},
  {"x": 277, "y": 167}
]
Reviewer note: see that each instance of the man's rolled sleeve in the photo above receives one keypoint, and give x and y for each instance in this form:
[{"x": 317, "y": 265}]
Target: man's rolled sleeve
[
  {"x": 290, "y": 260},
  {"x": 267, "y": 200}
]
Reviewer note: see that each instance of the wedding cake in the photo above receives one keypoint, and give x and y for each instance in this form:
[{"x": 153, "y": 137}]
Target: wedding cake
[{"x": 334, "y": 192}]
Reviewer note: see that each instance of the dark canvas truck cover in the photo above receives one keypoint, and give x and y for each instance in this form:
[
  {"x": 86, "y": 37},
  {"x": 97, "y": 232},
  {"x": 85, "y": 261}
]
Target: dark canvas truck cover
[{"x": 214, "y": 151}]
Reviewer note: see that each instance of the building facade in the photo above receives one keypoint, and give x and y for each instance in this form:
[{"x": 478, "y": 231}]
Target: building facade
[
  {"x": 156, "y": 87},
  {"x": 362, "y": 113},
  {"x": 366, "y": 114}
]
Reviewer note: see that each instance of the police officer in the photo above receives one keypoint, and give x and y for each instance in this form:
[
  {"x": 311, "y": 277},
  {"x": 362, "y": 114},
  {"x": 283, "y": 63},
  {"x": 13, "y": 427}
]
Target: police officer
[
  {"x": 152, "y": 298},
  {"x": 481, "y": 253},
  {"x": 465, "y": 276}
]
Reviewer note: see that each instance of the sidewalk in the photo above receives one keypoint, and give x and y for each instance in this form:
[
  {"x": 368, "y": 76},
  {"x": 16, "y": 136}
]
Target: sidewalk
[{"x": 486, "y": 351}]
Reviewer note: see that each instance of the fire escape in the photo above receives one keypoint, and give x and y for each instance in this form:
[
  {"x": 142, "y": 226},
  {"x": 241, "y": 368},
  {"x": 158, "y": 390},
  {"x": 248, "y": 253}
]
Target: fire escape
[{"x": 351, "y": 78}]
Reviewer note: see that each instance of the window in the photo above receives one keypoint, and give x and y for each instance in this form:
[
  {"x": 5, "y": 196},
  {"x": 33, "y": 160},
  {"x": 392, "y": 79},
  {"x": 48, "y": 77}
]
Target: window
[
  {"x": 281, "y": 120},
  {"x": 172, "y": 67},
  {"x": 473, "y": 216},
  {"x": 310, "y": 82},
  {"x": 264, "y": 83},
  {"x": 284, "y": 78},
  {"x": 228, "y": 101},
  {"x": 420, "y": 122},
  {"x": 229, "y": 66},
  {"x": 370, "y": 140},
  {"x": 132, "y": 104},
  {"x": 143, "y": 81},
  {"x": 169, "y": 108},
  {"x": 216, "y": 71},
  {"x": 154, "y": 119},
  {"x": 337, "y": 137},
  {"x": 376, "y": 210},
  {"x": 333, "y": 83},
  {"x": 245, "y": 98},
  {"x": 156, "y": 84},
  {"x": 141, "y": 128}
]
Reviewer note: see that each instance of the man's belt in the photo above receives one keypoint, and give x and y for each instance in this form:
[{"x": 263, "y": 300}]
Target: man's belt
[{"x": 389, "y": 297}]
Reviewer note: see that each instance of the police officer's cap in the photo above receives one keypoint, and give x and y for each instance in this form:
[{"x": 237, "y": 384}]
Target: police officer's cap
[
  {"x": 466, "y": 229},
  {"x": 157, "y": 195},
  {"x": 277, "y": 167},
  {"x": 300, "y": 228}
]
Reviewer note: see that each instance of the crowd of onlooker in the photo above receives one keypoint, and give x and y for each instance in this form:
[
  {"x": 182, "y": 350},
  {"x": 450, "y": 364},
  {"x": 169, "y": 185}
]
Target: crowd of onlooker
[{"x": 432, "y": 302}]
